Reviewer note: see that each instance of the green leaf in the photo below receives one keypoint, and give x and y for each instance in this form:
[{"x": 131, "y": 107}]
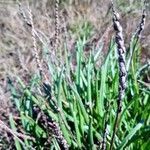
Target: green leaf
[
  {"x": 129, "y": 136},
  {"x": 12, "y": 124}
]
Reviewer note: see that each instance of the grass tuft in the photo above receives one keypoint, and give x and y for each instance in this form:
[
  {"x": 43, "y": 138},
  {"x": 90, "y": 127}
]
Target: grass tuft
[{"x": 83, "y": 102}]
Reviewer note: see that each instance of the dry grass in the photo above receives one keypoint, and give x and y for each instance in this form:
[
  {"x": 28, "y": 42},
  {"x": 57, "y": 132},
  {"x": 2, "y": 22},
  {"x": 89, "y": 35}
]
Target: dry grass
[
  {"x": 14, "y": 32},
  {"x": 24, "y": 33}
]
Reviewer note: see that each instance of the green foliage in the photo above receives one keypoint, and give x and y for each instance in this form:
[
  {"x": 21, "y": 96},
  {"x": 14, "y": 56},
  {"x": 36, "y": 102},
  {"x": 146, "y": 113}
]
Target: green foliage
[
  {"x": 82, "y": 29},
  {"x": 80, "y": 97}
]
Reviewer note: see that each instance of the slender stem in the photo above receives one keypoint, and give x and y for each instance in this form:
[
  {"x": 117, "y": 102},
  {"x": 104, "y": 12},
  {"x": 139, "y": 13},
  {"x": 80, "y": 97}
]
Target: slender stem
[
  {"x": 56, "y": 24},
  {"x": 136, "y": 36},
  {"x": 116, "y": 124},
  {"x": 122, "y": 69}
]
